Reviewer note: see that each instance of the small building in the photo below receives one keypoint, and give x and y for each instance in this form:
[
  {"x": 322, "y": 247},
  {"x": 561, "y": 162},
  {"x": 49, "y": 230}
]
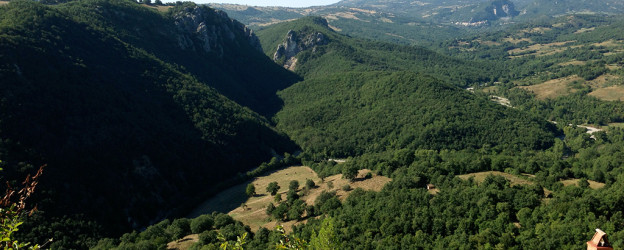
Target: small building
[{"x": 599, "y": 241}]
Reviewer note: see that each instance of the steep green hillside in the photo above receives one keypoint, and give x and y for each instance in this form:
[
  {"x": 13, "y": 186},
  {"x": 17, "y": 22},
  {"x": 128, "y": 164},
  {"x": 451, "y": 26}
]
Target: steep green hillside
[
  {"x": 128, "y": 135},
  {"x": 351, "y": 103},
  {"x": 356, "y": 113}
]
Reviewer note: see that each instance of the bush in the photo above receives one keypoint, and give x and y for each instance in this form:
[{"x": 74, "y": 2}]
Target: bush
[
  {"x": 280, "y": 211},
  {"x": 179, "y": 228},
  {"x": 270, "y": 208},
  {"x": 201, "y": 224},
  {"x": 208, "y": 237},
  {"x": 310, "y": 184},
  {"x": 349, "y": 171},
  {"x": 157, "y": 230},
  {"x": 292, "y": 196},
  {"x": 346, "y": 187},
  {"x": 250, "y": 190},
  {"x": 272, "y": 188},
  {"x": 222, "y": 220},
  {"x": 294, "y": 185},
  {"x": 278, "y": 197}
]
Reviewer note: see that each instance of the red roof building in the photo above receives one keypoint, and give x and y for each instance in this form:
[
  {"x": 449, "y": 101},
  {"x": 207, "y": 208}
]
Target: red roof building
[{"x": 599, "y": 241}]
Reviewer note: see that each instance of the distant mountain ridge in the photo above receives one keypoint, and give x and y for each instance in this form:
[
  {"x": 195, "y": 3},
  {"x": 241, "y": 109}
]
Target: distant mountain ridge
[{"x": 408, "y": 22}]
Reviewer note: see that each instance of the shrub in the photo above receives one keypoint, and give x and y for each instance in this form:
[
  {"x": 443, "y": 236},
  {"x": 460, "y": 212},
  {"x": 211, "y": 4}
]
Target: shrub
[
  {"x": 179, "y": 228},
  {"x": 208, "y": 237},
  {"x": 294, "y": 185},
  {"x": 272, "y": 188},
  {"x": 310, "y": 184},
  {"x": 201, "y": 224}
]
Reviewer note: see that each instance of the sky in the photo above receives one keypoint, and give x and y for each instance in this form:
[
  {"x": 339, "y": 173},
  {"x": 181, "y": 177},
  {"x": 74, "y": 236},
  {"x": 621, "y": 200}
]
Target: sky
[{"x": 285, "y": 3}]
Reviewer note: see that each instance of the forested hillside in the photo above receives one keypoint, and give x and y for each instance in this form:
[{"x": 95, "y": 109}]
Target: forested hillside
[
  {"x": 349, "y": 105},
  {"x": 97, "y": 90}
]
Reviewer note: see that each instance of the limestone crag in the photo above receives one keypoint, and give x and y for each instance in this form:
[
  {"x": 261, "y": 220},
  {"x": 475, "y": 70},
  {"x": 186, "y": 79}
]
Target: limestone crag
[
  {"x": 205, "y": 29},
  {"x": 294, "y": 44}
]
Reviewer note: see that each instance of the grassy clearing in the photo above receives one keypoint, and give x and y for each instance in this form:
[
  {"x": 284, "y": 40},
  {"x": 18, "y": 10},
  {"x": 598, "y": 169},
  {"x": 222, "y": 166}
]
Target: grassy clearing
[
  {"x": 539, "y": 49},
  {"x": 488, "y": 43},
  {"x": 592, "y": 184},
  {"x": 517, "y": 40},
  {"x": 160, "y": 8},
  {"x": 581, "y": 30},
  {"x": 608, "y": 44},
  {"x": 616, "y": 125},
  {"x": 480, "y": 176},
  {"x": 184, "y": 243},
  {"x": 252, "y": 211},
  {"x": 4, "y": 2},
  {"x": 540, "y": 30},
  {"x": 605, "y": 80},
  {"x": 513, "y": 179},
  {"x": 553, "y": 88},
  {"x": 611, "y": 93},
  {"x": 573, "y": 62}
]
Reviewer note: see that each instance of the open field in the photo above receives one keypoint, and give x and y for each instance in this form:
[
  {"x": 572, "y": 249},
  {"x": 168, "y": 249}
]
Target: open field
[
  {"x": 513, "y": 180},
  {"x": 253, "y": 212},
  {"x": 160, "y": 8},
  {"x": 573, "y": 62},
  {"x": 581, "y": 30},
  {"x": 539, "y": 49},
  {"x": 592, "y": 184},
  {"x": 616, "y": 125},
  {"x": 517, "y": 40},
  {"x": 611, "y": 93},
  {"x": 4, "y": 2},
  {"x": 480, "y": 176},
  {"x": 553, "y": 88},
  {"x": 184, "y": 243}
]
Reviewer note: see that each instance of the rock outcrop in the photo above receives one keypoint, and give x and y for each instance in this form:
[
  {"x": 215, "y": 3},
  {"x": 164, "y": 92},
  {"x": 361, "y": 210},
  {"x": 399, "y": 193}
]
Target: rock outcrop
[
  {"x": 294, "y": 44},
  {"x": 205, "y": 29}
]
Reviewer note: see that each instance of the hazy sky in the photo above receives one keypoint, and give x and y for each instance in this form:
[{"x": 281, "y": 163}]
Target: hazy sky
[{"x": 286, "y": 3}]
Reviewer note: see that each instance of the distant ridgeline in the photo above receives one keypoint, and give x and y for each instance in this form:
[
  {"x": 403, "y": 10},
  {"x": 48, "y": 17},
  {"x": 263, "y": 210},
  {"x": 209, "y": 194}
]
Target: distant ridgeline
[
  {"x": 131, "y": 108},
  {"x": 423, "y": 22}
]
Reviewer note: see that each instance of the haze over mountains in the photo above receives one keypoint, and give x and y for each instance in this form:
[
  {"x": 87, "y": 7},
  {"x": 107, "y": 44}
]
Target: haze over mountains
[{"x": 142, "y": 111}]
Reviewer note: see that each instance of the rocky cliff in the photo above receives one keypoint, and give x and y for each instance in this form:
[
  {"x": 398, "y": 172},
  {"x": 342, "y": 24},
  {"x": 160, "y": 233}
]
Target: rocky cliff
[
  {"x": 294, "y": 44},
  {"x": 207, "y": 29}
]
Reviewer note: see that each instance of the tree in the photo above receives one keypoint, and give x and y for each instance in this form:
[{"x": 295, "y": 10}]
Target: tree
[
  {"x": 291, "y": 196},
  {"x": 270, "y": 208},
  {"x": 12, "y": 212},
  {"x": 349, "y": 172},
  {"x": 251, "y": 190},
  {"x": 272, "y": 188},
  {"x": 310, "y": 184},
  {"x": 294, "y": 185},
  {"x": 179, "y": 228},
  {"x": 201, "y": 224},
  {"x": 326, "y": 237},
  {"x": 278, "y": 197}
]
